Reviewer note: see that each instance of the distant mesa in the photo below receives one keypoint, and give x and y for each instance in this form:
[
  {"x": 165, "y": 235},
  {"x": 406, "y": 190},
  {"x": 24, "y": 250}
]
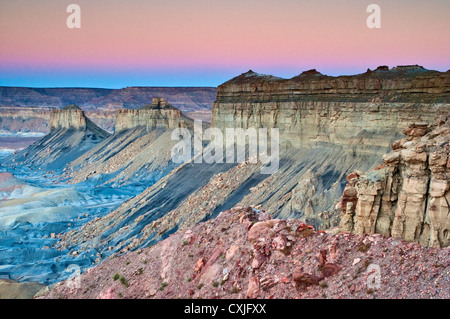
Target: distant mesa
[
  {"x": 159, "y": 114},
  {"x": 409, "y": 67},
  {"x": 71, "y": 135},
  {"x": 382, "y": 68},
  {"x": 187, "y": 99},
  {"x": 72, "y": 117}
]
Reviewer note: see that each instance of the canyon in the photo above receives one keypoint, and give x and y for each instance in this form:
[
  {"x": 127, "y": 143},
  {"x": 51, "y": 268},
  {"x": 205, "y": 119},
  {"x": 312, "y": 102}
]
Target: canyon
[
  {"x": 331, "y": 130},
  {"x": 71, "y": 135},
  {"x": 321, "y": 142}
]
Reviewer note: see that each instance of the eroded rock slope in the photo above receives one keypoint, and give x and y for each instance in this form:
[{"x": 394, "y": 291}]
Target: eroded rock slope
[
  {"x": 409, "y": 194},
  {"x": 71, "y": 135},
  {"x": 138, "y": 152}
]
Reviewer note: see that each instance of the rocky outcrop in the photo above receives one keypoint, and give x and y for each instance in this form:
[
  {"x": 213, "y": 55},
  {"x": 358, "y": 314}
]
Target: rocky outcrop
[
  {"x": 69, "y": 117},
  {"x": 243, "y": 253},
  {"x": 312, "y": 109},
  {"x": 159, "y": 114},
  {"x": 71, "y": 135},
  {"x": 28, "y": 109},
  {"x": 21, "y": 119},
  {"x": 138, "y": 152},
  {"x": 408, "y": 195}
]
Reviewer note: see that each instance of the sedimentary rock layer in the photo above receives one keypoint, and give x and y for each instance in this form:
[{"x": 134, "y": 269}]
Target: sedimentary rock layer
[
  {"x": 24, "y": 119},
  {"x": 138, "y": 152},
  {"x": 185, "y": 98},
  {"x": 409, "y": 195},
  {"x": 159, "y": 114},
  {"x": 71, "y": 135},
  {"x": 37, "y": 119},
  {"x": 310, "y": 109}
]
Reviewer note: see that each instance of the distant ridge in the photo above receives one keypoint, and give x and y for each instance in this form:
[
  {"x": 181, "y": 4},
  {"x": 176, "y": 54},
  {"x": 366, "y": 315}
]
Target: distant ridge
[
  {"x": 71, "y": 135},
  {"x": 187, "y": 99}
]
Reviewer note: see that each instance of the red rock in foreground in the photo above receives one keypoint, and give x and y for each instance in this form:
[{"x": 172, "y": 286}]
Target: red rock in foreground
[{"x": 245, "y": 254}]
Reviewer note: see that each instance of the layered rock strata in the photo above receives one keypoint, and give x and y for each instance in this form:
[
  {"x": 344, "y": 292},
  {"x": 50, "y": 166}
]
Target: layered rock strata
[
  {"x": 312, "y": 109},
  {"x": 159, "y": 114},
  {"x": 187, "y": 99},
  {"x": 24, "y": 119},
  {"x": 71, "y": 135},
  {"x": 325, "y": 133},
  {"x": 408, "y": 195},
  {"x": 138, "y": 152}
]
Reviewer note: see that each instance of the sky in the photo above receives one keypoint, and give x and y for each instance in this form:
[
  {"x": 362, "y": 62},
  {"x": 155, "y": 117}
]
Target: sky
[{"x": 207, "y": 42}]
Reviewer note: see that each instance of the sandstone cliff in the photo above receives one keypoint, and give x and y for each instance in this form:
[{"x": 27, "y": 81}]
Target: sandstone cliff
[
  {"x": 37, "y": 119},
  {"x": 243, "y": 253},
  {"x": 311, "y": 109},
  {"x": 24, "y": 119},
  {"x": 138, "y": 152},
  {"x": 409, "y": 195},
  {"x": 28, "y": 109},
  {"x": 159, "y": 114},
  {"x": 71, "y": 135}
]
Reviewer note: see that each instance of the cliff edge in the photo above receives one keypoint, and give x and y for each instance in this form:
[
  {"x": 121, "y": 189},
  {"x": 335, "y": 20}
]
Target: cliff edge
[
  {"x": 139, "y": 151},
  {"x": 408, "y": 195},
  {"x": 71, "y": 135}
]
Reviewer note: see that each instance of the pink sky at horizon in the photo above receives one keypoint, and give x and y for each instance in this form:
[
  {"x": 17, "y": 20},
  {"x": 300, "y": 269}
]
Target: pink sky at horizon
[{"x": 213, "y": 39}]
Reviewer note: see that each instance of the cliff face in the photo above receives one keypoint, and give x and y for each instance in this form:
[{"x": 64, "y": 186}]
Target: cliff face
[
  {"x": 311, "y": 109},
  {"x": 28, "y": 109},
  {"x": 69, "y": 117},
  {"x": 409, "y": 195},
  {"x": 243, "y": 253},
  {"x": 24, "y": 119},
  {"x": 401, "y": 83},
  {"x": 71, "y": 135},
  {"x": 159, "y": 114},
  {"x": 138, "y": 152},
  {"x": 37, "y": 119}
]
